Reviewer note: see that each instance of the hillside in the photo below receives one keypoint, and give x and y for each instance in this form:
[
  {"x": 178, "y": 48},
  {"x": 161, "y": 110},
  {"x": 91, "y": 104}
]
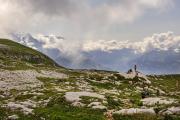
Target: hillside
[
  {"x": 16, "y": 56},
  {"x": 33, "y": 87}
]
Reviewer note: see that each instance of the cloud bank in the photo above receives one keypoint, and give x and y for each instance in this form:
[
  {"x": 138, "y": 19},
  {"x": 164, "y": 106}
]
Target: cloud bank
[
  {"x": 158, "y": 53},
  {"x": 81, "y": 16},
  {"x": 161, "y": 41}
]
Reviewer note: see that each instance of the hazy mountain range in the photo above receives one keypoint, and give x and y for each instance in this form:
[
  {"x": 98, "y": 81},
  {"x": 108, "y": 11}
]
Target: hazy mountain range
[{"x": 156, "y": 54}]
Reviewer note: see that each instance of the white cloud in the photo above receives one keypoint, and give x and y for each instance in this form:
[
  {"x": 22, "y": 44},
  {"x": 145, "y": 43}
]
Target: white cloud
[
  {"x": 50, "y": 41},
  {"x": 105, "y": 45},
  {"x": 58, "y": 42},
  {"x": 162, "y": 41}
]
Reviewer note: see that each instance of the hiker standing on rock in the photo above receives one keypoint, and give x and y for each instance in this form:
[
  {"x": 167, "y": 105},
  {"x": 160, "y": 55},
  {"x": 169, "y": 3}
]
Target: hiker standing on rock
[{"x": 135, "y": 69}]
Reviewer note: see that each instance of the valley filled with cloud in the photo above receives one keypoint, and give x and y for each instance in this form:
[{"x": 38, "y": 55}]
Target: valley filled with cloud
[{"x": 125, "y": 53}]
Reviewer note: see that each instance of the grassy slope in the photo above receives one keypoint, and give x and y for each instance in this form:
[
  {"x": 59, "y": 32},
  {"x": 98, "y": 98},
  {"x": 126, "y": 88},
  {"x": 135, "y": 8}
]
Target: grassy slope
[
  {"x": 21, "y": 55},
  {"x": 12, "y": 58},
  {"x": 168, "y": 83}
]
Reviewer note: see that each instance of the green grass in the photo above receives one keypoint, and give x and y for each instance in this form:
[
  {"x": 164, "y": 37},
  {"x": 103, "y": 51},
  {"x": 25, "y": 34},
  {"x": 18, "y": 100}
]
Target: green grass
[
  {"x": 106, "y": 85},
  {"x": 46, "y": 79},
  {"x": 87, "y": 100},
  {"x": 166, "y": 82},
  {"x": 145, "y": 117},
  {"x": 59, "y": 109},
  {"x": 125, "y": 85},
  {"x": 47, "y": 94},
  {"x": 3, "y": 113},
  {"x": 23, "y": 97},
  {"x": 18, "y": 52},
  {"x": 18, "y": 48},
  {"x": 49, "y": 82},
  {"x": 113, "y": 104},
  {"x": 64, "y": 112},
  {"x": 135, "y": 117}
]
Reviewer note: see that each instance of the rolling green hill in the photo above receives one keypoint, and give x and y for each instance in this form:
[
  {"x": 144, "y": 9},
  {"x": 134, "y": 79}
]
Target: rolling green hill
[
  {"x": 16, "y": 56},
  {"x": 34, "y": 87}
]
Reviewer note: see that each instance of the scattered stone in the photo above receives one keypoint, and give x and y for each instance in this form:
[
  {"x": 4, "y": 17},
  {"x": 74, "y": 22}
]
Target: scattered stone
[
  {"x": 13, "y": 117},
  {"x": 94, "y": 104},
  {"x": 25, "y": 79},
  {"x": 1, "y": 96},
  {"x": 102, "y": 107},
  {"x": 75, "y": 96},
  {"x": 26, "y": 107},
  {"x": 153, "y": 101},
  {"x": 132, "y": 111},
  {"x": 97, "y": 105},
  {"x": 17, "y": 106},
  {"x": 171, "y": 111},
  {"x": 78, "y": 104}
]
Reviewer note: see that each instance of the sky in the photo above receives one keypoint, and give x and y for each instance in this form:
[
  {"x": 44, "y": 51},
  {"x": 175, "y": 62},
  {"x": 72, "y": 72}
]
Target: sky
[
  {"x": 90, "y": 20},
  {"x": 76, "y": 27}
]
